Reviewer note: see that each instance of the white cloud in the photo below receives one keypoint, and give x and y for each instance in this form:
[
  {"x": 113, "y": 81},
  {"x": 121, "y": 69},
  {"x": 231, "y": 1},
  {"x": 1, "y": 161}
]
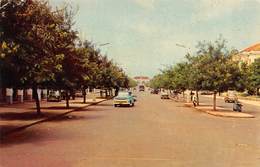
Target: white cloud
[
  {"x": 146, "y": 4},
  {"x": 211, "y": 9}
]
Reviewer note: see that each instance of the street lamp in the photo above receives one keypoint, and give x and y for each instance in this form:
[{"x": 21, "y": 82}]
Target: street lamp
[
  {"x": 182, "y": 46},
  {"x": 104, "y": 44},
  {"x": 9, "y": 1},
  {"x": 3, "y": 6}
]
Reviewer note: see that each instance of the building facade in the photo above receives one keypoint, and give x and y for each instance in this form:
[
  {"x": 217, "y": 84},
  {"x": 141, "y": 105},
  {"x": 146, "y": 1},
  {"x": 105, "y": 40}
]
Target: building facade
[
  {"x": 142, "y": 80},
  {"x": 248, "y": 55}
]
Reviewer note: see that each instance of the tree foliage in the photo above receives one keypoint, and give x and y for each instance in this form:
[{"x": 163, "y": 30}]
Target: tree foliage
[
  {"x": 40, "y": 48},
  {"x": 211, "y": 68}
]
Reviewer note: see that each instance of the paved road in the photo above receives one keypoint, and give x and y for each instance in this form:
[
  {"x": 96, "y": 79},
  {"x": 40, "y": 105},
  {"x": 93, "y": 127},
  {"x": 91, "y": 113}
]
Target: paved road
[{"x": 152, "y": 134}]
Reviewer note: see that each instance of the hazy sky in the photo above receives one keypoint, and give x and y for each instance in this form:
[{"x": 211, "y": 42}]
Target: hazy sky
[{"x": 144, "y": 33}]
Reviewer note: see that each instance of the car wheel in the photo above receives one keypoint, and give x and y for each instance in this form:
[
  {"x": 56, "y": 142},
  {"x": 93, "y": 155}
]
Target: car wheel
[
  {"x": 115, "y": 105},
  {"x": 133, "y": 104}
]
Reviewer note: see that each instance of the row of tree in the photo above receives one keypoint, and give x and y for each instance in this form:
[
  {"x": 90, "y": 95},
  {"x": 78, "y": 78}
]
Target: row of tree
[
  {"x": 212, "y": 68},
  {"x": 40, "y": 49}
]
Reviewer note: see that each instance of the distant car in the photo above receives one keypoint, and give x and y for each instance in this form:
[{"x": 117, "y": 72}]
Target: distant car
[
  {"x": 124, "y": 98},
  {"x": 154, "y": 91},
  {"x": 54, "y": 96},
  {"x": 230, "y": 98},
  {"x": 165, "y": 95},
  {"x": 78, "y": 94},
  {"x": 141, "y": 88},
  {"x": 207, "y": 93}
]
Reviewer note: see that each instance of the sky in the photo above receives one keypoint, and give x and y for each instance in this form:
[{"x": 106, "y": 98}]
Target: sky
[{"x": 148, "y": 35}]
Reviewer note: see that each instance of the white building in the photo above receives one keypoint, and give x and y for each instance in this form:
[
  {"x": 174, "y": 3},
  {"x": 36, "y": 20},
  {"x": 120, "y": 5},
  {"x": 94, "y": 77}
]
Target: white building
[
  {"x": 248, "y": 55},
  {"x": 141, "y": 80}
]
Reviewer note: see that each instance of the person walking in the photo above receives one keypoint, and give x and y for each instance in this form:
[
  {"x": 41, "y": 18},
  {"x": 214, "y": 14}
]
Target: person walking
[{"x": 194, "y": 100}]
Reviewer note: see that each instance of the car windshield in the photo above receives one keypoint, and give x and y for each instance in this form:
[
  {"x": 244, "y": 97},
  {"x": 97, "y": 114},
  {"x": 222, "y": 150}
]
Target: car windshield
[{"x": 123, "y": 94}]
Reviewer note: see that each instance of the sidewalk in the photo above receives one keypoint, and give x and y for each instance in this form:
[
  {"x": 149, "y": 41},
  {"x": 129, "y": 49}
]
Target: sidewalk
[
  {"x": 221, "y": 111},
  {"x": 20, "y": 116}
]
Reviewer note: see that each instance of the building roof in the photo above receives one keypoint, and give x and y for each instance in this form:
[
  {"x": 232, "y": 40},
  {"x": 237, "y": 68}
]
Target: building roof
[
  {"x": 141, "y": 77},
  {"x": 255, "y": 47}
]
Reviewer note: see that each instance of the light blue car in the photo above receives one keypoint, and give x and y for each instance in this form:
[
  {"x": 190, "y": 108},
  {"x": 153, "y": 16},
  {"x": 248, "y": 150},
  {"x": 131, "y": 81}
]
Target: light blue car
[{"x": 124, "y": 98}]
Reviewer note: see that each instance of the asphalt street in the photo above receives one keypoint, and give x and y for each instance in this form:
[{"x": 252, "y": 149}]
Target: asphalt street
[{"x": 154, "y": 133}]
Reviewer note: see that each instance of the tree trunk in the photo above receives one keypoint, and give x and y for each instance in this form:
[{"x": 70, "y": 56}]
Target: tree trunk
[
  {"x": 84, "y": 95},
  {"x": 101, "y": 93},
  {"x": 37, "y": 100},
  {"x": 116, "y": 91},
  {"x": 106, "y": 93},
  {"x": 72, "y": 94},
  {"x": 214, "y": 101},
  {"x": 197, "y": 97},
  {"x": 67, "y": 99},
  {"x": 111, "y": 92}
]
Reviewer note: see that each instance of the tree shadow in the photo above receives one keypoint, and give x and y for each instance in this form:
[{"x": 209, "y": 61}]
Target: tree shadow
[
  {"x": 32, "y": 115},
  {"x": 77, "y": 102},
  {"x": 28, "y": 136},
  {"x": 71, "y": 117},
  {"x": 92, "y": 109},
  {"x": 105, "y": 104},
  {"x": 13, "y": 135},
  {"x": 57, "y": 108},
  {"x": 6, "y": 128}
]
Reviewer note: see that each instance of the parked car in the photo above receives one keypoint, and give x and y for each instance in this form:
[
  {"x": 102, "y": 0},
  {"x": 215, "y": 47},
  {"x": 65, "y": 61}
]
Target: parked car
[
  {"x": 141, "y": 88},
  {"x": 54, "y": 96},
  {"x": 78, "y": 94},
  {"x": 231, "y": 97},
  {"x": 154, "y": 91},
  {"x": 165, "y": 95},
  {"x": 207, "y": 93},
  {"x": 124, "y": 98}
]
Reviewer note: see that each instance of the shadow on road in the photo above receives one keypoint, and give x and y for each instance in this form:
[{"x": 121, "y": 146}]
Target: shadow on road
[
  {"x": 74, "y": 118},
  {"x": 105, "y": 104},
  {"x": 57, "y": 108},
  {"x": 76, "y": 102},
  {"x": 6, "y": 128},
  {"x": 91, "y": 109},
  {"x": 24, "y": 134},
  {"x": 27, "y": 136},
  {"x": 32, "y": 115}
]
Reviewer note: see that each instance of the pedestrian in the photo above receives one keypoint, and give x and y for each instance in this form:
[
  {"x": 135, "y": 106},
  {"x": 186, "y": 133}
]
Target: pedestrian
[
  {"x": 191, "y": 95},
  {"x": 194, "y": 100}
]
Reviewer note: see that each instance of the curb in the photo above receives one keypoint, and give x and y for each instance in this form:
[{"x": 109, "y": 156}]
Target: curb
[
  {"x": 3, "y": 135},
  {"x": 227, "y": 114}
]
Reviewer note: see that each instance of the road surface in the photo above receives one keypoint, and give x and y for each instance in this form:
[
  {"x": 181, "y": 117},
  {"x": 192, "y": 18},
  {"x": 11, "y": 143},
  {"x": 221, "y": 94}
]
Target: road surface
[{"x": 154, "y": 133}]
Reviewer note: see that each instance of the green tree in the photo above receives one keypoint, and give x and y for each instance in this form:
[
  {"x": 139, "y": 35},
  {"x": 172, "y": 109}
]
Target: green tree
[
  {"x": 132, "y": 83},
  {"x": 30, "y": 30},
  {"x": 254, "y": 77},
  {"x": 216, "y": 70}
]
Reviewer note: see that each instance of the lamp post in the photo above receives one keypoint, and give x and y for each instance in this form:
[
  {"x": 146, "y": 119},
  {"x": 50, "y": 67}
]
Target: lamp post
[
  {"x": 7, "y": 3},
  {"x": 104, "y": 44},
  {"x": 182, "y": 46},
  {"x": 189, "y": 97}
]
